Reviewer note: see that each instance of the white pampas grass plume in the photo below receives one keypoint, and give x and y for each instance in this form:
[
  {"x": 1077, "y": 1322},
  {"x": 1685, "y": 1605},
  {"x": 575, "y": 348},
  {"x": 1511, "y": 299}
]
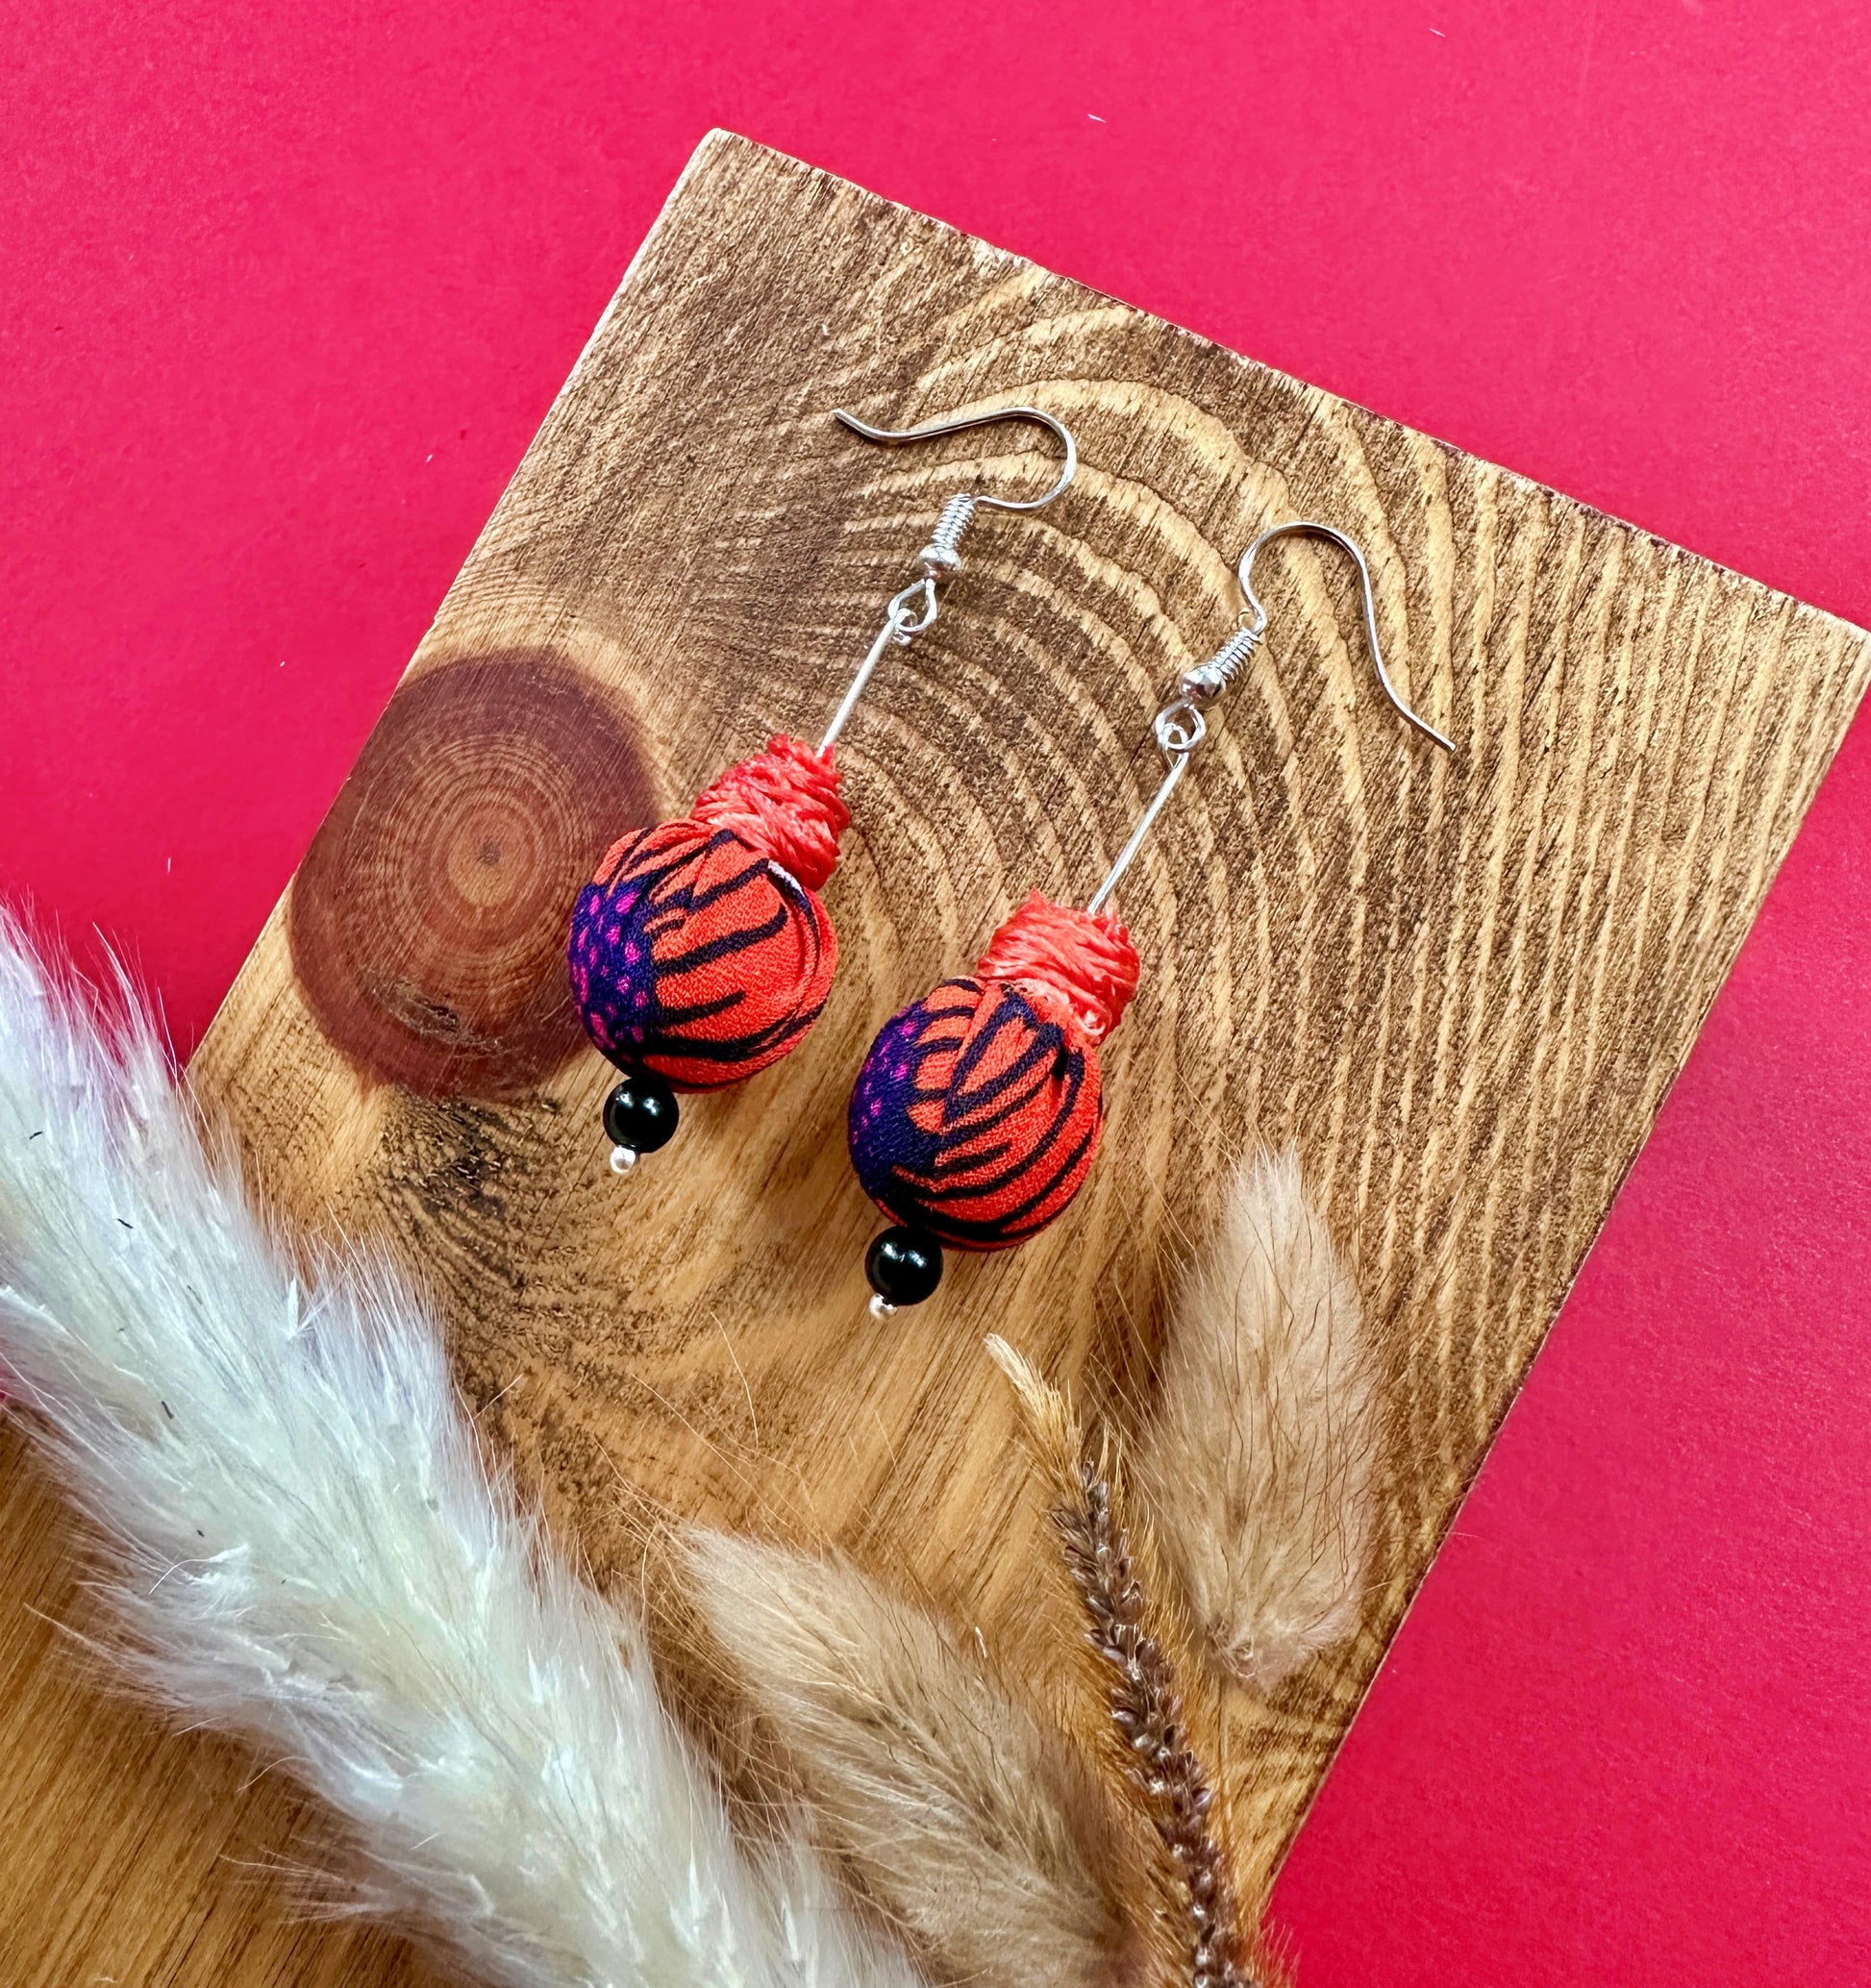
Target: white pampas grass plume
[
  {"x": 304, "y": 1548},
  {"x": 1257, "y": 1462},
  {"x": 968, "y": 1823}
]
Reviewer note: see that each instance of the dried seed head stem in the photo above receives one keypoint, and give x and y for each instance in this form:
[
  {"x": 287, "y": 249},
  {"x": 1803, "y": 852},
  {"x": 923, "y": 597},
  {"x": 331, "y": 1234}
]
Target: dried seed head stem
[{"x": 1138, "y": 1676}]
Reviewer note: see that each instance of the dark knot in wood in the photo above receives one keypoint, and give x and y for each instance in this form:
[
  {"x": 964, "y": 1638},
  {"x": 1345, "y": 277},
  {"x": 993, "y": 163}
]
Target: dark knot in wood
[{"x": 428, "y": 922}]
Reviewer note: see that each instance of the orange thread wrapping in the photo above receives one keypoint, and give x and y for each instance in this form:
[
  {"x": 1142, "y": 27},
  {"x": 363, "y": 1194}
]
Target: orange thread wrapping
[
  {"x": 785, "y": 803},
  {"x": 1072, "y": 960}
]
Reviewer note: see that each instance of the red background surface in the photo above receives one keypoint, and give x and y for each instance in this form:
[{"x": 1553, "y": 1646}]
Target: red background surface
[{"x": 285, "y": 292}]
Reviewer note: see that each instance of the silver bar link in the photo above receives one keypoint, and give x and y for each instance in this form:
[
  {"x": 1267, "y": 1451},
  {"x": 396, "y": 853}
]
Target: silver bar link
[
  {"x": 902, "y": 624},
  {"x": 1179, "y": 729}
]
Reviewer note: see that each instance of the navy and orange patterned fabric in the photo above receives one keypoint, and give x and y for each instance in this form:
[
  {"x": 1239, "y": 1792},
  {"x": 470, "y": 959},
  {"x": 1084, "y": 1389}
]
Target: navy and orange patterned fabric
[
  {"x": 978, "y": 1111},
  {"x": 699, "y": 950}
]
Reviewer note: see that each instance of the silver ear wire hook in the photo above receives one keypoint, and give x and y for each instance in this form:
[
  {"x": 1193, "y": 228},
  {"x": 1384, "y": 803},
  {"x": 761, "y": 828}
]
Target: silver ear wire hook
[
  {"x": 1258, "y": 622},
  {"x": 955, "y": 424},
  {"x": 1180, "y": 725},
  {"x": 915, "y": 609}
]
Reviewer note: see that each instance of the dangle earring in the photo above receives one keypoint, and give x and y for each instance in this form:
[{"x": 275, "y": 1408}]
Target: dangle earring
[
  {"x": 700, "y": 952},
  {"x": 977, "y": 1114}
]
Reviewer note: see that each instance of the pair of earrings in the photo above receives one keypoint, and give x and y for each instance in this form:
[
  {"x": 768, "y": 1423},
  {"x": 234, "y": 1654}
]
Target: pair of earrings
[{"x": 700, "y": 953}]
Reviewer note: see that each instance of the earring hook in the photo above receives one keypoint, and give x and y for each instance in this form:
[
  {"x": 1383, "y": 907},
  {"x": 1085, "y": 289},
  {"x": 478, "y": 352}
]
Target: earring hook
[
  {"x": 954, "y": 423},
  {"x": 1180, "y": 725},
  {"x": 1257, "y": 627},
  {"x": 915, "y": 609}
]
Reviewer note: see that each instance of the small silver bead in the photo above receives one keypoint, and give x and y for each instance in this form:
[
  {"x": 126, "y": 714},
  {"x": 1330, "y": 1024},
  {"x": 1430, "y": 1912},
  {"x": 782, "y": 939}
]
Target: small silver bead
[
  {"x": 622, "y": 1159},
  {"x": 1203, "y": 684},
  {"x": 882, "y": 1307}
]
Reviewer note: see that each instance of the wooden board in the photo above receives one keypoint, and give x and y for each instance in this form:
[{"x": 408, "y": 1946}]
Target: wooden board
[{"x": 1462, "y": 986}]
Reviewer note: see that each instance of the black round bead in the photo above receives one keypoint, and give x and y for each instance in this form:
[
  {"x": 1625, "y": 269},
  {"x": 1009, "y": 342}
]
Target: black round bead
[
  {"x": 904, "y": 1265},
  {"x": 641, "y": 1114}
]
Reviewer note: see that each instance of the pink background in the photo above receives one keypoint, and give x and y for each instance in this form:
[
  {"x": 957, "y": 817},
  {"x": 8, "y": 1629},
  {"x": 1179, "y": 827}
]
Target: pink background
[{"x": 284, "y": 295}]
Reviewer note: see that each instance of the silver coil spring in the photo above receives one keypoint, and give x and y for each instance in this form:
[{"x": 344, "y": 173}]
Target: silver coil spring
[
  {"x": 1203, "y": 684},
  {"x": 943, "y": 552}
]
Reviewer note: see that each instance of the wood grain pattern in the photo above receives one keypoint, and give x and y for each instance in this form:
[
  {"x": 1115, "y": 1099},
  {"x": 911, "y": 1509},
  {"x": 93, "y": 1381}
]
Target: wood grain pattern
[{"x": 1462, "y": 986}]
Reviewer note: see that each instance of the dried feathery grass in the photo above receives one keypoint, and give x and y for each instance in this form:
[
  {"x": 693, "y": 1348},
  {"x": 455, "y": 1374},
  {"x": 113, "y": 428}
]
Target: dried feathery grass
[
  {"x": 1257, "y": 1459},
  {"x": 301, "y": 1544},
  {"x": 968, "y": 1824},
  {"x": 1132, "y": 1648}
]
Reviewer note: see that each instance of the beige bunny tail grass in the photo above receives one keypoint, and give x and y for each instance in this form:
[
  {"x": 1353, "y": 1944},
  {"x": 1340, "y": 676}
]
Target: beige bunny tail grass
[
  {"x": 1258, "y": 1462},
  {"x": 968, "y": 1823},
  {"x": 1131, "y": 1640}
]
